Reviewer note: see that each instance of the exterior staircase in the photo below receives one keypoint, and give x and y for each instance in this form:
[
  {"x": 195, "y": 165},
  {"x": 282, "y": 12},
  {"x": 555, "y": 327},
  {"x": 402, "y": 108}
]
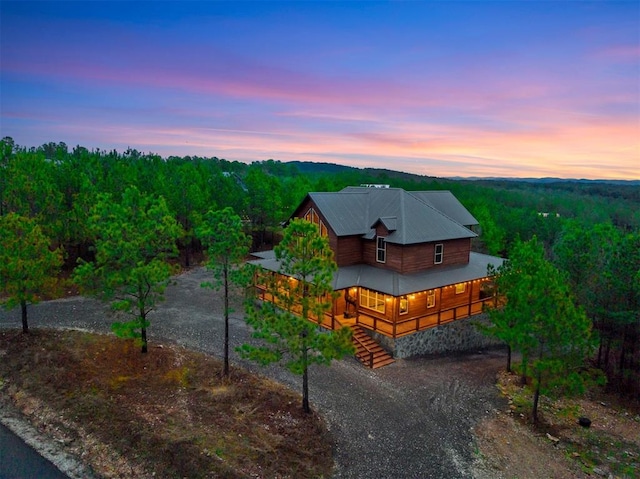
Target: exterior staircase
[{"x": 368, "y": 351}]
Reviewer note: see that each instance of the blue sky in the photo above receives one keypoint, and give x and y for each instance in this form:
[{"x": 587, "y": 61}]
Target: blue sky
[{"x": 512, "y": 88}]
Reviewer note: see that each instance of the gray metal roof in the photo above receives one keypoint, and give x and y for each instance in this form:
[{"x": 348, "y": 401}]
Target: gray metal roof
[
  {"x": 396, "y": 284},
  {"x": 356, "y": 210},
  {"x": 445, "y": 202}
]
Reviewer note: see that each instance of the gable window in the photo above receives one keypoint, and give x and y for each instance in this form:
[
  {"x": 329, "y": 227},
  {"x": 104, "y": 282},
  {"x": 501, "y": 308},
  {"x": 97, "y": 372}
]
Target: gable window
[
  {"x": 439, "y": 253},
  {"x": 313, "y": 217},
  {"x": 381, "y": 250},
  {"x": 431, "y": 298},
  {"x": 404, "y": 305},
  {"x": 372, "y": 300},
  {"x": 461, "y": 288}
]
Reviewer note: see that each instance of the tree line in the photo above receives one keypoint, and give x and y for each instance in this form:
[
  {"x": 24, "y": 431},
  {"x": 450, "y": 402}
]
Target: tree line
[{"x": 63, "y": 197}]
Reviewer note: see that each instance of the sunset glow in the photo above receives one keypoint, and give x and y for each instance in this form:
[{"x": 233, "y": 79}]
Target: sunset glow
[{"x": 513, "y": 89}]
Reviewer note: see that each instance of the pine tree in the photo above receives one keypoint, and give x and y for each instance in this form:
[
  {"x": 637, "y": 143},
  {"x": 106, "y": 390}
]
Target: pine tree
[
  {"x": 28, "y": 266},
  {"x": 134, "y": 239},
  {"x": 302, "y": 293}
]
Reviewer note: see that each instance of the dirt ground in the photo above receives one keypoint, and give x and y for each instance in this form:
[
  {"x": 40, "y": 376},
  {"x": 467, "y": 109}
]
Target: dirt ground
[
  {"x": 510, "y": 446},
  {"x": 429, "y": 417},
  {"x": 159, "y": 415}
]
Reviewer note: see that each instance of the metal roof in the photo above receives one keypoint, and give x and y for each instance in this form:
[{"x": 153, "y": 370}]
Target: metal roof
[
  {"x": 445, "y": 202},
  {"x": 356, "y": 210},
  {"x": 396, "y": 284}
]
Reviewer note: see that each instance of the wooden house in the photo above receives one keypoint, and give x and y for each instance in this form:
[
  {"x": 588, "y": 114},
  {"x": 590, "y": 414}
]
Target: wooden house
[{"x": 404, "y": 260}]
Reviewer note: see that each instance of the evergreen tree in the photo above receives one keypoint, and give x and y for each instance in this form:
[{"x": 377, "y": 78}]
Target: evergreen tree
[
  {"x": 227, "y": 247},
  {"x": 302, "y": 294},
  {"x": 133, "y": 241},
  {"x": 28, "y": 266},
  {"x": 537, "y": 317}
]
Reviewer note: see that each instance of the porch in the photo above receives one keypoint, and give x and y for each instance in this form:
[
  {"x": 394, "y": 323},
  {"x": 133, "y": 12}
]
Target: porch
[{"x": 393, "y": 328}]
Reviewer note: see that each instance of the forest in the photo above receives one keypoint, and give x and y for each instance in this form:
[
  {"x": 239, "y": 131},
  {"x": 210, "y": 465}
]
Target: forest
[{"x": 589, "y": 230}]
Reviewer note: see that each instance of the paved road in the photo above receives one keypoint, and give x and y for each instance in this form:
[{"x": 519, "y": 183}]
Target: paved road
[
  {"x": 412, "y": 419},
  {"x": 20, "y": 461}
]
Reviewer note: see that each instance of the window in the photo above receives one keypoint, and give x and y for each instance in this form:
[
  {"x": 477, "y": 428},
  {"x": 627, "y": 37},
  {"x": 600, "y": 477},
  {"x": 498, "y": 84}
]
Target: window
[
  {"x": 439, "y": 253},
  {"x": 431, "y": 298},
  {"x": 461, "y": 288},
  {"x": 372, "y": 300},
  {"x": 404, "y": 305},
  {"x": 381, "y": 250},
  {"x": 312, "y": 217}
]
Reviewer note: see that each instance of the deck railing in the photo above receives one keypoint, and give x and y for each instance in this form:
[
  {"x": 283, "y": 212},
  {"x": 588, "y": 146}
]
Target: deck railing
[
  {"x": 418, "y": 323},
  {"x": 396, "y": 329}
]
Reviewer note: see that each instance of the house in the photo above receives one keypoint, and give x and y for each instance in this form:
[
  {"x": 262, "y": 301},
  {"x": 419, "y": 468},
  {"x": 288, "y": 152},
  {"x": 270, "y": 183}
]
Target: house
[{"x": 405, "y": 268}]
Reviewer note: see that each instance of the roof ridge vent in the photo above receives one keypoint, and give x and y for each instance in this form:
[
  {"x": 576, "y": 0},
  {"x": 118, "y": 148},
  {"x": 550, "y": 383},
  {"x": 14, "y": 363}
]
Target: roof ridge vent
[{"x": 374, "y": 185}]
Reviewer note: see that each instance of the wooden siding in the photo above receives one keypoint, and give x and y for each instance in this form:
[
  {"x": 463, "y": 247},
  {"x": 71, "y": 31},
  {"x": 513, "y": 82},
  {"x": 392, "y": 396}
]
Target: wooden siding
[
  {"x": 347, "y": 250},
  {"x": 415, "y": 258},
  {"x": 333, "y": 238},
  {"x": 369, "y": 252},
  {"x": 422, "y": 256}
]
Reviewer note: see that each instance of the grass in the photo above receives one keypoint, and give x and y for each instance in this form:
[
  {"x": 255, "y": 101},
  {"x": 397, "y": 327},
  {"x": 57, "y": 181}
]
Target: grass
[{"x": 164, "y": 414}]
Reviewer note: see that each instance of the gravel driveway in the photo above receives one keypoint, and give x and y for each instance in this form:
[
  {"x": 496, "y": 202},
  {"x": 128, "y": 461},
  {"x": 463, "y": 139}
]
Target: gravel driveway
[{"x": 411, "y": 419}]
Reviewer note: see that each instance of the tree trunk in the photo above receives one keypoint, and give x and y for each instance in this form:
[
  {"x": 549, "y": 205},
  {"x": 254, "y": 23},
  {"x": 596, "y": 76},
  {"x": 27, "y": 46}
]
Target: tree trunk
[
  {"x": 305, "y": 383},
  {"x": 523, "y": 379},
  {"x": 623, "y": 350},
  {"x": 187, "y": 264},
  {"x": 225, "y": 372},
  {"x": 599, "y": 360},
  {"x": 144, "y": 339},
  {"x": 508, "y": 358},
  {"x": 536, "y": 398},
  {"x": 25, "y": 325},
  {"x": 607, "y": 351}
]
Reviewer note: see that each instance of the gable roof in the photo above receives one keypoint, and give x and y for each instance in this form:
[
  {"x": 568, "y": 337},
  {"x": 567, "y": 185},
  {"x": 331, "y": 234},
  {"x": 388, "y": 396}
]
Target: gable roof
[{"x": 408, "y": 217}]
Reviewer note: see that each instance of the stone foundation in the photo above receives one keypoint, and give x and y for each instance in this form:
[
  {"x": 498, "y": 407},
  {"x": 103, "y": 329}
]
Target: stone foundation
[{"x": 460, "y": 335}]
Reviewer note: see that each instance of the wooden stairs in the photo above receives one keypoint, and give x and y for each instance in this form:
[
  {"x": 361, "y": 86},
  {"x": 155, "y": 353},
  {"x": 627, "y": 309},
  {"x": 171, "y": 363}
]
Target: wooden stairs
[{"x": 368, "y": 351}]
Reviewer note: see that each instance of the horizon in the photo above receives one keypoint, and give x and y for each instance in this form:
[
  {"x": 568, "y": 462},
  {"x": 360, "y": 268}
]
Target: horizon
[{"x": 463, "y": 89}]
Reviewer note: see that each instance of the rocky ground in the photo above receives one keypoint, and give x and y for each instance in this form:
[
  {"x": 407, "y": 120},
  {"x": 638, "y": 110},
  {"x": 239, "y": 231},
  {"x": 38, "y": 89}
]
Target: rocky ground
[{"x": 428, "y": 417}]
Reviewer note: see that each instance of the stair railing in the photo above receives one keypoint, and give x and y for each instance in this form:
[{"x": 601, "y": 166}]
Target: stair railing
[{"x": 367, "y": 349}]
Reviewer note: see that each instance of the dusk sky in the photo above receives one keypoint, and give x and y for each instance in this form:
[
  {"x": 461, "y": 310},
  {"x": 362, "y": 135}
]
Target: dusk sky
[{"x": 509, "y": 88}]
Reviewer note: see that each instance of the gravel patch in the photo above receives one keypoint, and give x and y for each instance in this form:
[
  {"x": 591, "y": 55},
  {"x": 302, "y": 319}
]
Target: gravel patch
[{"x": 411, "y": 419}]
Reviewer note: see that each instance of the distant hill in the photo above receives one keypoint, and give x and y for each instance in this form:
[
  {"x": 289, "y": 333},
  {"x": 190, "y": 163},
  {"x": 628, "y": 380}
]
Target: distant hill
[
  {"x": 308, "y": 167},
  {"x": 548, "y": 180}
]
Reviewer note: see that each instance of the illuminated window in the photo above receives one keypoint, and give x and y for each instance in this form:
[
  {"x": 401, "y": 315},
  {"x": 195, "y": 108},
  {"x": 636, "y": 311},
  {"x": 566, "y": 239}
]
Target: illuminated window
[
  {"x": 313, "y": 217},
  {"x": 461, "y": 288},
  {"x": 404, "y": 305},
  {"x": 431, "y": 298},
  {"x": 439, "y": 253},
  {"x": 381, "y": 250},
  {"x": 372, "y": 300}
]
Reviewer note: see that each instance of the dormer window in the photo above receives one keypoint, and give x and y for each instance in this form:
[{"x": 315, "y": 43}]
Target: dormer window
[
  {"x": 439, "y": 254},
  {"x": 381, "y": 249}
]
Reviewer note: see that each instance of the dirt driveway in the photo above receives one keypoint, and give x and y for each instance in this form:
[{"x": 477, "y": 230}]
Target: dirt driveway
[{"x": 412, "y": 419}]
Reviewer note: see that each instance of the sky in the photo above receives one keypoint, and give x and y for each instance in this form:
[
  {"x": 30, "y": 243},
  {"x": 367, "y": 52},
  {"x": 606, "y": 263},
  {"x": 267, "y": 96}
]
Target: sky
[{"x": 449, "y": 88}]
